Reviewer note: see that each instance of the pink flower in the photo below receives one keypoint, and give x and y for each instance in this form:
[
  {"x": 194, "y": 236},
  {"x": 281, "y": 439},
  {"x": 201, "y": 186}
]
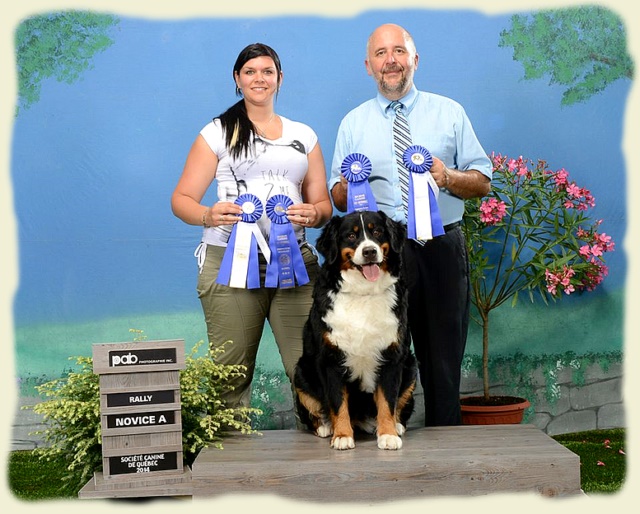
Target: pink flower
[
  {"x": 600, "y": 463},
  {"x": 523, "y": 171},
  {"x": 498, "y": 161},
  {"x": 565, "y": 280},
  {"x": 552, "y": 282},
  {"x": 597, "y": 250},
  {"x": 585, "y": 251},
  {"x": 518, "y": 166},
  {"x": 589, "y": 198},
  {"x": 561, "y": 178},
  {"x": 560, "y": 279},
  {"x": 600, "y": 243},
  {"x": 585, "y": 200},
  {"x": 605, "y": 241},
  {"x": 574, "y": 191},
  {"x": 492, "y": 211},
  {"x": 594, "y": 276}
]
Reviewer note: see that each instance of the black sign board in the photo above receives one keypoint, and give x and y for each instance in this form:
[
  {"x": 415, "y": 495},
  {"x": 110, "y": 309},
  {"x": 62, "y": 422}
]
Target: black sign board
[
  {"x": 142, "y": 357},
  {"x": 141, "y": 419},
  {"x": 143, "y": 463},
  {"x": 140, "y": 398}
]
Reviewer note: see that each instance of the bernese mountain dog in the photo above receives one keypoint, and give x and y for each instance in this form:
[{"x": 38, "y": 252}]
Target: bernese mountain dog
[{"x": 357, "y": 370}]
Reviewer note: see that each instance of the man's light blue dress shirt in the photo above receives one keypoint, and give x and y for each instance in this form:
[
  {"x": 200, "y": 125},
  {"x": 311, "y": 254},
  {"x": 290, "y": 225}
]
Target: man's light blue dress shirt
[{"x": 436, "y": 122}]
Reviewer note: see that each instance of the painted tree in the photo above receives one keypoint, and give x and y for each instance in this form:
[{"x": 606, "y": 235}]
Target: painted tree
[
  {"x": 582, "y": 48},
  {"x": 57, "y": 45}
]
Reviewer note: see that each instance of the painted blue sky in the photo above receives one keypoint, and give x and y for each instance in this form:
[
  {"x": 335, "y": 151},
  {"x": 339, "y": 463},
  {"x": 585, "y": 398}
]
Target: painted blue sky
[{"x": 93, "y": 164}]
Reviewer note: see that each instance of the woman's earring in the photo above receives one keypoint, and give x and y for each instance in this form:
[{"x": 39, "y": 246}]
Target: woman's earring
[{"x": 238, "y": 91}]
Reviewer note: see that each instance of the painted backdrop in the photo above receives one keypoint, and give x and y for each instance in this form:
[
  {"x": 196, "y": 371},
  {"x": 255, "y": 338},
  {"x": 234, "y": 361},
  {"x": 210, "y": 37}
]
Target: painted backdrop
[{"x": 109, "y": 106}]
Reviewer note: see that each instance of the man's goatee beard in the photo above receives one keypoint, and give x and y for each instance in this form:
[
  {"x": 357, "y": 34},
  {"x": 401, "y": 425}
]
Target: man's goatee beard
[{"x": 399, "y": 87}]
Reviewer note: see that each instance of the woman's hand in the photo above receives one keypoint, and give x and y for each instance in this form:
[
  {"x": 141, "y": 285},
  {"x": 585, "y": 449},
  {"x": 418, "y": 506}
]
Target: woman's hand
[
  {"x": 304, "y": 214},
  {"x": 222, "y": 213}
]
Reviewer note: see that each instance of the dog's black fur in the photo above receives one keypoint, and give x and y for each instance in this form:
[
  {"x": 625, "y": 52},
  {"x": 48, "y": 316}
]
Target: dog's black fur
[{"x": 357, "y": 369}]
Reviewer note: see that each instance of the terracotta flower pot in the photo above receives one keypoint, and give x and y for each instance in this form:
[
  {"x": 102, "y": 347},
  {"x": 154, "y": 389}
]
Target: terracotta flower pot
[{"x": 499, "y": 410}]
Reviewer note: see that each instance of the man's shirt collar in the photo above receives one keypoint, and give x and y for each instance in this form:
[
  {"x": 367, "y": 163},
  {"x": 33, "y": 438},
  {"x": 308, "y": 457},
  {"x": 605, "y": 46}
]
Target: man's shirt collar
[{"x": 407, "y": 100}]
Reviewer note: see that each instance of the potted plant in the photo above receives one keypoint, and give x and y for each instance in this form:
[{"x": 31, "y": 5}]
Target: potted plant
[{"x": 532, "y": 234}]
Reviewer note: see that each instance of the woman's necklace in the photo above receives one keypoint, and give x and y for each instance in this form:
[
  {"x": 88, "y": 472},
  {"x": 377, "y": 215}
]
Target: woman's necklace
[{"x": 262, "y": 131}]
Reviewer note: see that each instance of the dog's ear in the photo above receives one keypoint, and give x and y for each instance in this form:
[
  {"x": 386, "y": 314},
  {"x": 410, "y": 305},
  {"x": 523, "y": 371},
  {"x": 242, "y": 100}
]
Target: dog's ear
[
  {"x": 327, "y": 243},
  {"x": 397, "y": 232}
]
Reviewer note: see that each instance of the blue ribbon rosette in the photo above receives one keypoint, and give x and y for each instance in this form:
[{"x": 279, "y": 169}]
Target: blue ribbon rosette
[
  {"x": 239, "y": 266},
  {"x": 424, "y": 221},
  {"x": 286, "y": 266},
  {"x": 356, "y": 168}
]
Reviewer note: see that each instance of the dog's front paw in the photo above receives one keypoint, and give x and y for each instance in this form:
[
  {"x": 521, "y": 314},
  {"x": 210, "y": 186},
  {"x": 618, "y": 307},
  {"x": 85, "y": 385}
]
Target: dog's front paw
[
  {"x": 343, "y": 443},
  {"x": 389, "y": 442},
  {"x": 324, "y": 430},
  {"x": 400, "y": 428}
]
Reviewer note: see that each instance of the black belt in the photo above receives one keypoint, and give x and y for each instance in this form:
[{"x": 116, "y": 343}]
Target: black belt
[{"x": 451, "y": 226}]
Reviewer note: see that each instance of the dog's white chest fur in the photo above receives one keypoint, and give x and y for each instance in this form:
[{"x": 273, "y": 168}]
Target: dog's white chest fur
[{"x": 363, "y": 324}]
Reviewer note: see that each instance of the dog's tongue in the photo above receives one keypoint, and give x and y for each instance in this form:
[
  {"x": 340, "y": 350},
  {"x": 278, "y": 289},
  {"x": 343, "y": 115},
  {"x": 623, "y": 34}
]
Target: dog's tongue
[{"x": 371, "y": 272}]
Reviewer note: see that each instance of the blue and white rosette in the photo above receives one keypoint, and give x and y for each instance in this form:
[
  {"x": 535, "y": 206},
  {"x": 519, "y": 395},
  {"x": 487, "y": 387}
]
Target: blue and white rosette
[
  {"x": 239, "y": 267},
  {"x": 356, "y": 168},
  {"x": 424, "y": 221},
  {"x": 286, "y": 266}
]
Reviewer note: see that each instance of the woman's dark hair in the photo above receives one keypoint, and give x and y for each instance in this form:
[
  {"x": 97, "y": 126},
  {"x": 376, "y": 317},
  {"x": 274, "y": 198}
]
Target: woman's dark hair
[{"x": 238, "y": 129}]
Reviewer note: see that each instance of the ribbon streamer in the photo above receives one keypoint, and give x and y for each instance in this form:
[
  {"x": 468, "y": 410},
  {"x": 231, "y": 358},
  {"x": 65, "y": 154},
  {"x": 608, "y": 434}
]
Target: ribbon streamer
[
  {"x": 424, "y": 221},
  {"x": 286, "y": 265},
  {"x": 239, "y": 267},
  {"x": 356, "y": 168}
]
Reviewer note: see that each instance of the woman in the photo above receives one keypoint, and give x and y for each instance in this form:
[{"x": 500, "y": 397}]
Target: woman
[{"x": 249, "y": 149}]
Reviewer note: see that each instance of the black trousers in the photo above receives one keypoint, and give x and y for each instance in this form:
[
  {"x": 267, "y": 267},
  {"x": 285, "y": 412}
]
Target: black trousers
[{"x": 437, "y": 275}]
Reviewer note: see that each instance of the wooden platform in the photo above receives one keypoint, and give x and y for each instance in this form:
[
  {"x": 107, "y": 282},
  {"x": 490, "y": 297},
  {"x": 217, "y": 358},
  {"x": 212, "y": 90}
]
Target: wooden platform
[
  {"x": 447, "y": 461},
  {"x": 141, "y": 486}
]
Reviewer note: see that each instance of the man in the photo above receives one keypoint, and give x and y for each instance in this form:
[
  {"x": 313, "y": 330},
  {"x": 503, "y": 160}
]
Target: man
[{"x": 436, "y": 270}]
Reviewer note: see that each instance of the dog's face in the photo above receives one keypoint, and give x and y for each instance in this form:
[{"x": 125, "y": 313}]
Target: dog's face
[{"x": 369, "y": 242}]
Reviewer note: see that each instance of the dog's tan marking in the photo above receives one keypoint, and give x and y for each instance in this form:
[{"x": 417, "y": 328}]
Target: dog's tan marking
[
  {"x": 310, "y": 403},
  {"x": 342, "y": 430},
  {"x": 384, "y": 265},
  {"x": 327, "y": 340},
  {"x": 388, "y": 435},
  {"x": 404, "y": 399},
  {"x": 320, "y": 424},
  {"x": 386, "y": 419},
  {"x": 347, "y": 258}
]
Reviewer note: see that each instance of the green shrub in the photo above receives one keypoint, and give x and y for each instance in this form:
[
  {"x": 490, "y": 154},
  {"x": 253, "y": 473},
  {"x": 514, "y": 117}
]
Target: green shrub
[
  {"x": 205, "y": 418},
  {"x": 71, "y": 414}
]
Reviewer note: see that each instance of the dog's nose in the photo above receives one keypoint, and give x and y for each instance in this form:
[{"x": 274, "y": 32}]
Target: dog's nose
[{"x": 370, "y": 253}]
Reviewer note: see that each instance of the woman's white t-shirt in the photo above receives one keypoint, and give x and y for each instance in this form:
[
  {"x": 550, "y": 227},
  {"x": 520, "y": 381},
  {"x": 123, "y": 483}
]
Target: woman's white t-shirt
[{"x": 273, "y": 167}]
